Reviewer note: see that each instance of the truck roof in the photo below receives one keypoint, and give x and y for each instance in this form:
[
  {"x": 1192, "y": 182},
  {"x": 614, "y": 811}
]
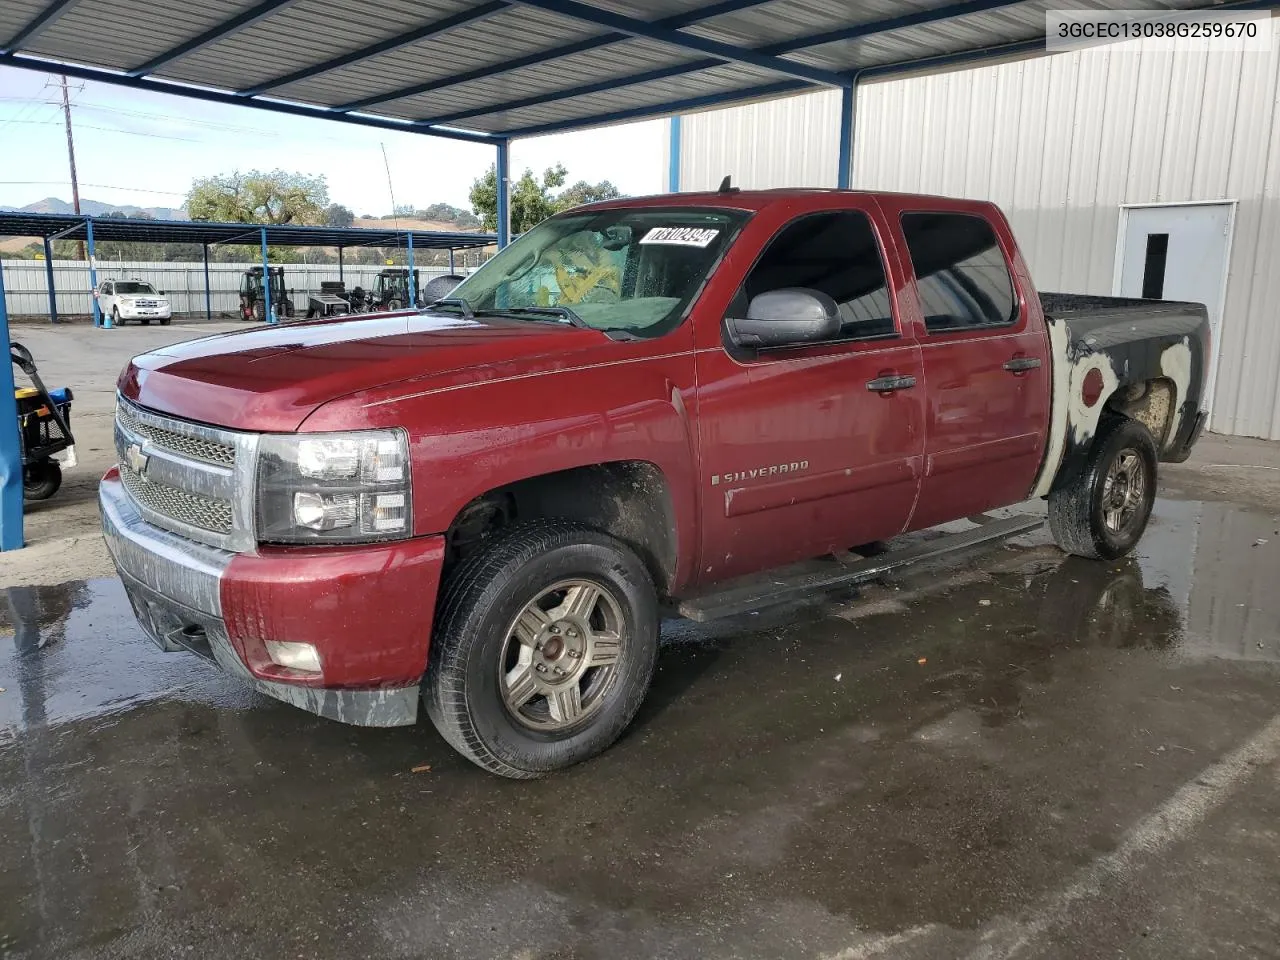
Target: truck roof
[{"x": 757, "y": 200}]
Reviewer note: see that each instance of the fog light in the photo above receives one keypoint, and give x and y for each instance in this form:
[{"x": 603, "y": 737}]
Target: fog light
[{"x": 295, "y": 656}]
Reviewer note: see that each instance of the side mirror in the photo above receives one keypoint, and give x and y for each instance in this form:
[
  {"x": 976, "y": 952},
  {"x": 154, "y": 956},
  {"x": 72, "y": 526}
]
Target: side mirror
[{"x": 787, "y": 317}]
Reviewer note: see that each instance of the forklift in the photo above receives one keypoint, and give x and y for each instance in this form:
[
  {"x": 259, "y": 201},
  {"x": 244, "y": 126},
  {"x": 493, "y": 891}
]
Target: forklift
[
  {"x": 253, "y": 304},
  {"x": 391, "y": 290}
]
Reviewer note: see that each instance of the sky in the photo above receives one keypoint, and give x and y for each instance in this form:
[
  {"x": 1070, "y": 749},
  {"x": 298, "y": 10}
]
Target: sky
[{"x": 143, "y": 148}]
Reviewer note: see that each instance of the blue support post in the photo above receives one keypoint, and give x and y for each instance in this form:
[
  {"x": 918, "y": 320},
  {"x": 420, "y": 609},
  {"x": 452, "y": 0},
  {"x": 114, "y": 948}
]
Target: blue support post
[
  {"x": 413, "y": 287},
  {"x": 504, "y": 193},
  {"x": 208, "y": 290},
  {"x": 10, "y": 446},
  {"x": 848, "y": 103},
  {"x": 673, "y": 160},
  {"x": 48, "y": 279},
  {"x": 266, "y": 281},
  {"x": 98, "y": 319}
]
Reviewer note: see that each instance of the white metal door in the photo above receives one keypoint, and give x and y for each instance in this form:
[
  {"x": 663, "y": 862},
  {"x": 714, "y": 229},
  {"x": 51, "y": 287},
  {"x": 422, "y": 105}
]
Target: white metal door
[{"x": 1178, "y": 252}]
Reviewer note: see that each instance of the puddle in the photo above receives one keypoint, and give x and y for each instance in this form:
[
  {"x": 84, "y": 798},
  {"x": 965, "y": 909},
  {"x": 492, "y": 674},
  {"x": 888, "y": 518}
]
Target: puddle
[{"x": 1205, "y": 583}]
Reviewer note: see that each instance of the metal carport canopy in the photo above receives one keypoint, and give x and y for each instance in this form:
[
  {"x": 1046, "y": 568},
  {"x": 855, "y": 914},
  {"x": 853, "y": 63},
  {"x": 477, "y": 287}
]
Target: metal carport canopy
[{"x": 489, "y": 71}]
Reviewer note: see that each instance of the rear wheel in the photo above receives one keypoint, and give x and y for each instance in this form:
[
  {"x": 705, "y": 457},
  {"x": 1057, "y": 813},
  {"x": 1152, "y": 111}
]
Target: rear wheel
[
  {"x": 164, "y": 322},
  {"x": 543, "y": 650},
  {"x": 41, "y": 480},
  {"x": 1103, "y": 512},
  {"x": 259, "y": 310},
  {"x": 394, "y": 305}
]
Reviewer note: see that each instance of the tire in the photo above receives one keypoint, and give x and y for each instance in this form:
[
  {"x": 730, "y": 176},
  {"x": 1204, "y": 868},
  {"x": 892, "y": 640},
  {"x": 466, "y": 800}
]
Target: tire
[
  {"x": 41, "y": 480},
  {"x": 393, "y": 306},
  {"x": 115, "y": 316},
  {"x": 475, "y": 649},
  {"x": 259, "y": 310},
  {"x": 1079, "y": 516},
  {"x": 165, "y": 321}
]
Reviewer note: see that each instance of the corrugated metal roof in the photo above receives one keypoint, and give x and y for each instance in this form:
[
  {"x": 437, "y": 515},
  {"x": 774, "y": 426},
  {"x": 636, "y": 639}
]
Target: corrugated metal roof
[{"x": 475, "y": 65}]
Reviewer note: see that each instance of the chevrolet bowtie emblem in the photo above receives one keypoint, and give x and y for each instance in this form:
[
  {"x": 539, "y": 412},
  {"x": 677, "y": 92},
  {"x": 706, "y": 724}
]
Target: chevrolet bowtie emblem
[{"x": 136, "y": 459}]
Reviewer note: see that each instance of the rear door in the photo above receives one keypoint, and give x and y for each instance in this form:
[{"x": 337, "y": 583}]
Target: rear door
[
  {"x": 798, "y": 456},
  {"x": 985, "y": 362}
]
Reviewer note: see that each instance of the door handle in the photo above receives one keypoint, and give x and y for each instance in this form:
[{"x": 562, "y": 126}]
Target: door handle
[
  {"x": 891, "y": 382},
  {"x": 1022, "y": 364}
]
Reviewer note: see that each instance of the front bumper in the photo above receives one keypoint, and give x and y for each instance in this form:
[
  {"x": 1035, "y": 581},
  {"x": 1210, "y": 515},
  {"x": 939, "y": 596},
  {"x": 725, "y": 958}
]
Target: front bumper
[
  {"x": 366, "y": 610},
  {"x": 148, "y": 313}
]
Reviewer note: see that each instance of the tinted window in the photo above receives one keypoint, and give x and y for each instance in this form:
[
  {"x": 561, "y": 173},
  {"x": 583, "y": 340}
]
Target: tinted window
[
  {"x": 836, "y": 253},
  {"x": 106, "y": 288},
  {"x": 961, "y": 273}
]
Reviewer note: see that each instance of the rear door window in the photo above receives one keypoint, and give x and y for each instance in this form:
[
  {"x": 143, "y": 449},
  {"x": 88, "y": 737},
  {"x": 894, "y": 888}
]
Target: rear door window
[
  {"x": 836, "y": 253},
  {"x": 962, "y": 277}
]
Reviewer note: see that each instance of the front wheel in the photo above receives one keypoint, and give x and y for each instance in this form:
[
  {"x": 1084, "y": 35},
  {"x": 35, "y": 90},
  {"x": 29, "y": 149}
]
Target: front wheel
[
  {"x": 544, "y": 647},
  {"x": 1102, "y": 513}
]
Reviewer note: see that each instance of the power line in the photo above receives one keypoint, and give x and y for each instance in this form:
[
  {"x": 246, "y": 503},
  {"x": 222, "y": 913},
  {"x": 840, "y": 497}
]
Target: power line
[{"x": 96, "y": 186}]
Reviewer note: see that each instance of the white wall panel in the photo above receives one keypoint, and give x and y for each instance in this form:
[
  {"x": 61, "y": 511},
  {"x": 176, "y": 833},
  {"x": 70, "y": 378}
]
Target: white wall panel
[{"x": 1060, "y": 143}]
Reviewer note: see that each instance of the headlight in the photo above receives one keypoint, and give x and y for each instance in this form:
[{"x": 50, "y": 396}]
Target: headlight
[{"x": 334, "y": 487}]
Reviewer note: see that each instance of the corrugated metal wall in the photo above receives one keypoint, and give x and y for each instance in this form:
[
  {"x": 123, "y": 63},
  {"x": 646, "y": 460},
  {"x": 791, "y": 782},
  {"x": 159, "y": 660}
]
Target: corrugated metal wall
[
  {"x": 26, "y": 289},
  {"x": 1060, "y": 143}
]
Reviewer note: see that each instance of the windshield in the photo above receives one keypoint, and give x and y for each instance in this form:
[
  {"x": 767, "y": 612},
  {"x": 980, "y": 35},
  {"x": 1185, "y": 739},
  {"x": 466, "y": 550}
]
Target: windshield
[
  {"x": 631, "y": 269},
  {"x": 124, "y": 287}
]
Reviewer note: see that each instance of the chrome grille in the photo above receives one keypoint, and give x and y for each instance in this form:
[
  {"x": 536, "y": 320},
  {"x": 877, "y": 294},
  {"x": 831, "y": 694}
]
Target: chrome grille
[
  {"x": 180, "y": 505},
  {"x": 197, "y": 448},
  {"x": 188, "y": 478}
]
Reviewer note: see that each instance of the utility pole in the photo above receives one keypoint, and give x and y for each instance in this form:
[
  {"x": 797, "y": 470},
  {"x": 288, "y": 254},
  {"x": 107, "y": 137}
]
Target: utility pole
[{"x": 71, "y": 155}]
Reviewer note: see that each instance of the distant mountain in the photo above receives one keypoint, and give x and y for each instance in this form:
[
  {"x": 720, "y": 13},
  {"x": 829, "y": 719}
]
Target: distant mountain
[{"x": 96, "y": 208}]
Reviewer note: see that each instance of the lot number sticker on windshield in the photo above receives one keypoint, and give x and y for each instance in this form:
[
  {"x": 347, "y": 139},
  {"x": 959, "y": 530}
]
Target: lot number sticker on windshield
[{"x": 681, "y": 236}]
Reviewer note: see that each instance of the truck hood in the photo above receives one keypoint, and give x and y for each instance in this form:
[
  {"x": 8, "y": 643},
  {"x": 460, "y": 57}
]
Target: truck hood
[{"x": 272, "y": 378}]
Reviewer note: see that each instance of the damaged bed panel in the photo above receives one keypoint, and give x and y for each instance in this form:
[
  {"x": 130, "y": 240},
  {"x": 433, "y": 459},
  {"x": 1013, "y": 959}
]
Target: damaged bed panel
[{"x": 1142, "y": 358}]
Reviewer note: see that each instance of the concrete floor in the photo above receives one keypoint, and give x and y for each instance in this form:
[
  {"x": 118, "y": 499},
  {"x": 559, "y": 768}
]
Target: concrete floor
[{"x": 1013, "y": 754}]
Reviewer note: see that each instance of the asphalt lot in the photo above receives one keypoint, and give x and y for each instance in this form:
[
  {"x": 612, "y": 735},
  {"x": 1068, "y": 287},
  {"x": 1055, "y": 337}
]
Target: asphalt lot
[{"x": 1014, "y": 754}]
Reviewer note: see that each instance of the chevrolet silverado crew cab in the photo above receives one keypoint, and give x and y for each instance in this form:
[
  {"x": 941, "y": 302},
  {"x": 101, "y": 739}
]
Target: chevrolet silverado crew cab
[
  {"x": 123, "y": 300},
  {"x": 482, "y": 507}
]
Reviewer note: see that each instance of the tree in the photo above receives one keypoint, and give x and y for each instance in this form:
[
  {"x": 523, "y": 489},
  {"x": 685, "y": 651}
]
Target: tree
[
  {"x": 336, "y": 215},
  {"x": 531, "y": 200},
  {"x": 583, "y": 192},
  {"x": 277, "y": 197}
]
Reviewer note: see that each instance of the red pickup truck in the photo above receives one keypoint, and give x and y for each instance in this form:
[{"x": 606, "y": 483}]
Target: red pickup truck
[{"x": 484, "y": 506}]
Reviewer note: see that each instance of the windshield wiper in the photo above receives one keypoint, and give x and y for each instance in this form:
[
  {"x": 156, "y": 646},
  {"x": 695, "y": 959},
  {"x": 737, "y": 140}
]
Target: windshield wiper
[
  {"x": 563, "y": 313},
  {"x": 463, "y": 307}
]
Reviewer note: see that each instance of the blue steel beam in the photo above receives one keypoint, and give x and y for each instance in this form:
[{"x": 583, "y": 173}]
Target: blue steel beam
[
  {"x": 98, "y": 319},
  {"x": 693, "y": 66},
  {"x": 41, "y": 21},
  {"x": 226, "y": 97},
  {"x": 727, "y": 52},
  {"x": 434, "y": 28},
  {"x": 48, "y": 279},
  {"x": 503, "y": 171},
  {"x": 674, "y": 22},
  {"x": 240, "y": 21},
  {"x": 673, "y": 157},
  {"x": 413, "y": 287},
  {"x": 664, "y": 109},
  {"x": 10, "y": 445},
  {"x": 266, "y": 281},
  {"x": 848, "y": 103}
]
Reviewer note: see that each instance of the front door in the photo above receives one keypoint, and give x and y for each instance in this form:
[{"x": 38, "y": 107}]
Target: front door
[
  {"x": 986, "y": 363},
  {"x": 799, "y": 456},
  {"x": 1179, "y": 252}
]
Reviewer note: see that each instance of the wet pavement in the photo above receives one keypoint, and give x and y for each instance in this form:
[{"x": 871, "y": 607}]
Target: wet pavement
[{"x": 1015, "y": 755}]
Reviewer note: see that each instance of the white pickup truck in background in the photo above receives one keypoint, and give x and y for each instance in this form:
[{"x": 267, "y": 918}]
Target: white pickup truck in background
[{"x": 139, "y": 300}]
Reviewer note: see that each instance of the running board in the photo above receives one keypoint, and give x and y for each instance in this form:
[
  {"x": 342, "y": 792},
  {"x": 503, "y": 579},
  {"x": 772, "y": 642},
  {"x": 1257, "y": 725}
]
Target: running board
[{"x": 786, "y": 584}]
